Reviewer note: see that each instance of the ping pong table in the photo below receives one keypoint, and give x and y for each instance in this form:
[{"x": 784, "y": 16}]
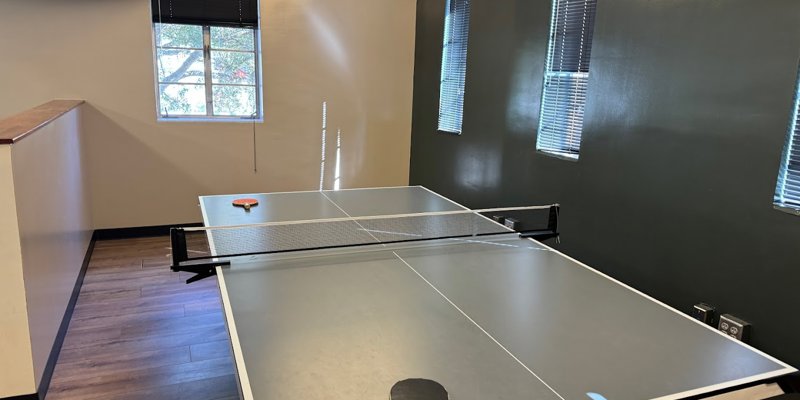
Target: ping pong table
[{"x": 496, "y": 317}]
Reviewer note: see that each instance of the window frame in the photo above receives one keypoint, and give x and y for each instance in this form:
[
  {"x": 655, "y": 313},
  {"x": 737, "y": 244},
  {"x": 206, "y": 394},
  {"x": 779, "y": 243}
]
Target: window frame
[
  {"x": 792, "y": 141},
  {"x": 208, "y": 83},
  {"x": 550, "y": 74},
  {"x": 450, "y": 26}
]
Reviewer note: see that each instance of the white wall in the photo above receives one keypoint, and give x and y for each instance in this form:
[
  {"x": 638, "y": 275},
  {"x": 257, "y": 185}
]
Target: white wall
[
  {"x": 356, "y": 55},
  {"x": 45, "y": 230},
  {"x": 53, "y": 211},
  {"x": 16, "y": 365}
]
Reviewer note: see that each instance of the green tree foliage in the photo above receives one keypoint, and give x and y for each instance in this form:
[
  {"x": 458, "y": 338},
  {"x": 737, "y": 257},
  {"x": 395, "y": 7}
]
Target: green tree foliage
[{"x": 233, "y": 64}]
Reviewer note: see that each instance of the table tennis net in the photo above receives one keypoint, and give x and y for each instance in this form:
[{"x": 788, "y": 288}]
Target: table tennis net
[{"x": 289, "y": 236}]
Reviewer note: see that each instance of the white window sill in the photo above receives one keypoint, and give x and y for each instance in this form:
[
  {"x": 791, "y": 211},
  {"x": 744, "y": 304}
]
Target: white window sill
[
  {"x": 212, "y": 119},
  {"x": 559, "y": 155},
  {"x": 789, "y": 209}
]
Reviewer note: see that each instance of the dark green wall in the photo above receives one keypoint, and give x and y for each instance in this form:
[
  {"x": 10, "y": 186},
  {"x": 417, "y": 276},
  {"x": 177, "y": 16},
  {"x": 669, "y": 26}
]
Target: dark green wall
[{"x": 686, "y": 118}]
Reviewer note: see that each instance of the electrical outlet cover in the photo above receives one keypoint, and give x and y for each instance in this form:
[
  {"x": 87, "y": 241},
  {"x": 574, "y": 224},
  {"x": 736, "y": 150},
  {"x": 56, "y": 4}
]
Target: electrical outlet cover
[
  {"x": 734, "y": 327},
  {"x": 704, "y": 313},
  {"x": 511, "y": 223}
]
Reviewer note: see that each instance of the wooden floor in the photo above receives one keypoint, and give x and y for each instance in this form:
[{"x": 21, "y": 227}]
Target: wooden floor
[{"x": 139, "y": 332}]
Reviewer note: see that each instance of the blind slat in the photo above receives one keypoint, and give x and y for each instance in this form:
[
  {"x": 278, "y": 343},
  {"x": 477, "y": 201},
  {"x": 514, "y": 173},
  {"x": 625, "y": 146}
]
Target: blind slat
[
  {"x": 566, "y": 76},
  {"x": 454, "y": 66}
]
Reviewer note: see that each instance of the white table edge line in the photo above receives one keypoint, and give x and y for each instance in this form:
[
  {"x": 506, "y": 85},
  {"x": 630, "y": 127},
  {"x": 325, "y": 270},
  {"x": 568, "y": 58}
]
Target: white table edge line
[
  {"x": 727, "y": 384},
  {"x": 236, "y": 345},
  {"x": 306, "y": 191},
  {"x": 241, "y": 370}
]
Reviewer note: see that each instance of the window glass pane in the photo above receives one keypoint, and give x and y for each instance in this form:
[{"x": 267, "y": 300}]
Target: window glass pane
[
  {"x": 566, "y": 77},
  {"x": 234, "y": 100},
  {"x": 177, "y": 65},
  {"x": 454, "y": 66},
  {"x": 182, "y": 99},
  {"x": 787, "y": 193},
  {"x": 233, "y": 67},
  {"x": 232, "y": 38},
  {"x": 182, "y": 68},
  {"x": 178, "y": 35}
]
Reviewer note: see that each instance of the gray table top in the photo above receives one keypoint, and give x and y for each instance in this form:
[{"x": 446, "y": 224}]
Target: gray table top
[
  {"x": 491, "y": 318},
  {"x": 293, "y": 206}
]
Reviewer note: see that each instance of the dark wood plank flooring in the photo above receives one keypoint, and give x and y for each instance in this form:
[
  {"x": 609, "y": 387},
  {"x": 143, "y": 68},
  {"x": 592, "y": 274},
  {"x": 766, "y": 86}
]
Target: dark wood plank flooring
[{"x": 139, "y": 332}]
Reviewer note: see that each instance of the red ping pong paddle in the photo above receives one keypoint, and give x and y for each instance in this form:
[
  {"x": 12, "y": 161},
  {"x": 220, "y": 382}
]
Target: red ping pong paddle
[{"x": 245, "y": 203}]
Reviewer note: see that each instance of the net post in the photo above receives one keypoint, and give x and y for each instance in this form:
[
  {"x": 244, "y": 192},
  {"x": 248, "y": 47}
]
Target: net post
[
  {"x": 177, "y": 237},
  {"x": 552, "y": 226},
  {"x": 180, "y": 255},
  {"x": 552, "y": 220}
]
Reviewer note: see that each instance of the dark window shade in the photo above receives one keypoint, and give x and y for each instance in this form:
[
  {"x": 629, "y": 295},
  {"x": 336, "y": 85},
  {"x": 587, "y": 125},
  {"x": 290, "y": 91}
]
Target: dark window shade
[
  {"x": 454, "y": 66},
  {"x": 571, "y": 35},
  {"x": 242, "y": 13},
  {"x": 787, "y": 193},
  {"x": 566, "y": 77}
]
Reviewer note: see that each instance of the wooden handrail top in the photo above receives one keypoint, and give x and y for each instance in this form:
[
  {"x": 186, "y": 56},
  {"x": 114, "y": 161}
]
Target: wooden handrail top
[{"x": 16, "y": 127}]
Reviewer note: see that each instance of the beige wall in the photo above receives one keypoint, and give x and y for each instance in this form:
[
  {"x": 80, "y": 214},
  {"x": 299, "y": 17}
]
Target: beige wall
[
  {"x": 16, "y": 366},
  {"x": 54, "y": 225},
  {"x": 45, "y": 230},
  {"x": 356, "y": 55}
]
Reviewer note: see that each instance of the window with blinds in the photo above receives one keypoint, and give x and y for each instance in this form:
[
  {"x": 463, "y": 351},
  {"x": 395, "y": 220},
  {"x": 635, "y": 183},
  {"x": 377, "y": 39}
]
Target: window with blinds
[
  {"x": 787, "y": 193},
  {"x": 566, "y": 77},
  {"x": 454, "y": 66},
  {"x": 207, "y": 59}
]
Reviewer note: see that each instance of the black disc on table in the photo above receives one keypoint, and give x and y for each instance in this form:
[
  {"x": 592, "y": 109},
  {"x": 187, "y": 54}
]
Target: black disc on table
[{"x": 418, "y": 389}]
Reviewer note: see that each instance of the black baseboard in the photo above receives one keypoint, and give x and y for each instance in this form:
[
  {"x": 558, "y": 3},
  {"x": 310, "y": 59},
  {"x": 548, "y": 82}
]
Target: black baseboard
[
  {"x": 62, "y": 330},
  {"x": 100, "y": 234},
  {"x": 47, "y": 375},
  {"x": 137, "y": 232},
  {"x": 34, "y": 396},
  {"x": 790, "y": 383}
]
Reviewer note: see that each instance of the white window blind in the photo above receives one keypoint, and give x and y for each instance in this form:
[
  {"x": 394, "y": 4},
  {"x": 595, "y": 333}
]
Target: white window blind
[
  {"x": 566, "y": 77},
  {"x": 454, "y": 66},
  {"x": 787, "y": 194}
]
